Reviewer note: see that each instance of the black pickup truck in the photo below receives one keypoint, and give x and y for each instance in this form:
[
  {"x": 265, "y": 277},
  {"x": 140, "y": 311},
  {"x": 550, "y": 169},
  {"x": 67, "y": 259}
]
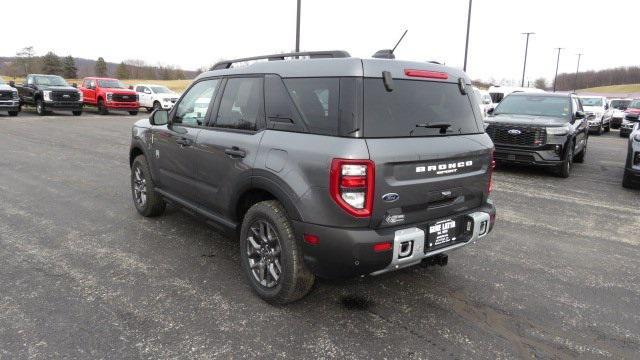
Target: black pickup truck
[{"x": 50, "y": 92}]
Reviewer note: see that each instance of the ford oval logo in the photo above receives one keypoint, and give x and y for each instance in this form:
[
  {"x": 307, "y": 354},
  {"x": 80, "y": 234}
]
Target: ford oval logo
[
  {"x": 514, "y": 132},
  {"x": 390, "y": 197}
]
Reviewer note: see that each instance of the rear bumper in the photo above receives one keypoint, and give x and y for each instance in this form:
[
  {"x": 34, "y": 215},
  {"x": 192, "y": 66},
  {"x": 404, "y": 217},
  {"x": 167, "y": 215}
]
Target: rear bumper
[
  {"x": 544, "y": 157},
  {"x": 63, "y": 105},
  {"x": 344, "y": 253}
]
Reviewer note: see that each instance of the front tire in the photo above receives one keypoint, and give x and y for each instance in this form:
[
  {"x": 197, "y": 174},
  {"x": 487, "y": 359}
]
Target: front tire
[
  {"x": 77, "y": 112},
  {"x": 147, "y": 201},
  {"x": 40, "y": 110},
  {"x": 101, "y": 108},
  {"x": 133, "y": 112},
  {"x": 565, "y": 168},
  {"x": 271, "y": 257},
  {"x": 626, "y": 181},
  {"x": 13, "y": 113}
]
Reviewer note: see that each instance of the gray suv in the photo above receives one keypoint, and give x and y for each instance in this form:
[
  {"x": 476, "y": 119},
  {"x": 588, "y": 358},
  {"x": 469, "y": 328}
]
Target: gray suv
[{"x": 324, "y": 164}]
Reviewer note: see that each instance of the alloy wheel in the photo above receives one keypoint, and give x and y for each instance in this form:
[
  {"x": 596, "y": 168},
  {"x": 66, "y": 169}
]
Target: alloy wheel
[
  {"x": 263, "y": 252},
  {"x": 139, "y": 188}
]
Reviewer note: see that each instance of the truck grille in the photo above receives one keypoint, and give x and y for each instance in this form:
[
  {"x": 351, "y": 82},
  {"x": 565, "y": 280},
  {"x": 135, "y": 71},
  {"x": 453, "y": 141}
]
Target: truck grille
[
  {"x": 65, "y": 96},
  {"x": 517, "y": 135},
  {"x": 125, "y": 97},
  {"x": 6, "y": 95}
]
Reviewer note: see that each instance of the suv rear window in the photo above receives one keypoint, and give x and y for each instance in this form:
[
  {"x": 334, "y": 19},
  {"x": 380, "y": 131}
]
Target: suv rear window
[{"x": 416, "y": 102}]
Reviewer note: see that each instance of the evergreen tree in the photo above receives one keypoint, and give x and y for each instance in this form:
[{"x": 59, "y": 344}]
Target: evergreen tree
[
  {"x": 122, "y": 72},
  {"x": 69, "y": 69},
  {"x": 51, "y": 64},
  {"x": 101, "y": 67}
]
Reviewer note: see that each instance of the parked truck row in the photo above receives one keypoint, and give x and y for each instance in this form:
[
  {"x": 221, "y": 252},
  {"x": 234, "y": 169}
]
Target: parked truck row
[{"x": 47, "y": 93}]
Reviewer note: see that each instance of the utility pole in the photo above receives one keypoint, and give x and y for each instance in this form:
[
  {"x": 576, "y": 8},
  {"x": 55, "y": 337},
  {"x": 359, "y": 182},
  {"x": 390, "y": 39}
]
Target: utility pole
[
  {"x": 298, "y": 28},
  {"x": 526, "y": 50},
  {"x": 575, "y": 83},
  {"x": 466, "y": 46},
  {"x": 555, "y": 79}
]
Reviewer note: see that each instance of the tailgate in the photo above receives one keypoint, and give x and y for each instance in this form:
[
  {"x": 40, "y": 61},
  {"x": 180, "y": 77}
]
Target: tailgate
[{"x": 426, "y": 178}]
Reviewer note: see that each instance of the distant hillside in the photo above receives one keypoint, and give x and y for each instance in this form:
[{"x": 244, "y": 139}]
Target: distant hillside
[{"x": 86, "y": 67}]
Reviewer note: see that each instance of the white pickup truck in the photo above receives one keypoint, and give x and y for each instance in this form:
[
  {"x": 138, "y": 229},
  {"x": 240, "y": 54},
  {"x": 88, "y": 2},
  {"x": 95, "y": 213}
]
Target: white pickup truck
[{"x": 153, "y": 96}]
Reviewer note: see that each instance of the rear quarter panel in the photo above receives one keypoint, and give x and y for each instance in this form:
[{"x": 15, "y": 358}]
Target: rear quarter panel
[{"x": 300, "y": 164}]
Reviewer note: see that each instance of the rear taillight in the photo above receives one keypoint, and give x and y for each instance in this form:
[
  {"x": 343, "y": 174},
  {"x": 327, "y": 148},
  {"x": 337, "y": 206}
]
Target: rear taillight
[
  {"x": 492, "y": 166},
  {"x": 351, "y": 185},
  {"x": 426, "y": 74}
]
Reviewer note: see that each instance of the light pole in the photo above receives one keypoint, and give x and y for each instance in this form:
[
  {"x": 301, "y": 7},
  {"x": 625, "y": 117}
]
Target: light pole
[
  {"x": 575, "y": 83},
  {"x": 555, "y": 79},
  {"x": 526, "y": 50},
  {"x": 298, "y": 28},
  {"x": 466, "y": 45}
]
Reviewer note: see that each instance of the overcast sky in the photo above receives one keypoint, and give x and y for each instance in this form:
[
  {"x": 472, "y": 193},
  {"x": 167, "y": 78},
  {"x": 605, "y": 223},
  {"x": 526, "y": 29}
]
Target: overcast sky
[{"x": 196, "y": 33}]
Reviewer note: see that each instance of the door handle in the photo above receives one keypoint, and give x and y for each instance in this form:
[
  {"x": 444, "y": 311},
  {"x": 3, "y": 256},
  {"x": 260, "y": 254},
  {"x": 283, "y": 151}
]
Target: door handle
[
  {"x": 184, "y": 142},
  {"x": 235, "y": 152}
]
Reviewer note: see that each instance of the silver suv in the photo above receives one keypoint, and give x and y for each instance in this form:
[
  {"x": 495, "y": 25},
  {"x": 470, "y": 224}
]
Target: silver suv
[{"x": 324, "y": 164}]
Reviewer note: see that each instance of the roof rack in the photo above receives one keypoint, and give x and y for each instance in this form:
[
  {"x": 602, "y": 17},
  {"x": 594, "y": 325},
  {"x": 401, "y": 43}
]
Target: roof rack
[{"x": 225, "y": 64}]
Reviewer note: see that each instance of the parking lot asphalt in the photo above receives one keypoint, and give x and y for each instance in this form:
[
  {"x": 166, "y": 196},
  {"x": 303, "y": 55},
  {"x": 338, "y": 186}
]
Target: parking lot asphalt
[{"x": 82, "y": 275}]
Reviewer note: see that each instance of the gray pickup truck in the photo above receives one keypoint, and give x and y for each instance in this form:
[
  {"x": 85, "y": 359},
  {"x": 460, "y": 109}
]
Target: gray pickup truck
[
  {"x": 324, "y": 164},
  {"x": 9, "y": 99}
]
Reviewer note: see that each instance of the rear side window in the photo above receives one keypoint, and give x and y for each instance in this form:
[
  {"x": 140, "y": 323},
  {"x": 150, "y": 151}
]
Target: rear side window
[
  {"x": 317, "y": 100},
  {"x": 242, "y": 104},
  {"x": 415, "y": 104}
]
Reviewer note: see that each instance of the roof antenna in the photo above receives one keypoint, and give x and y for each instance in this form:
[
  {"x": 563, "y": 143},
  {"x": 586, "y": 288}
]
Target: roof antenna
[{"x": 388, "y": 53}]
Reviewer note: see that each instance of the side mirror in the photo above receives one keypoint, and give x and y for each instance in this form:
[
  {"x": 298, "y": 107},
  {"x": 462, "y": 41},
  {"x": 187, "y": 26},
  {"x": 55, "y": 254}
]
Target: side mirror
[
  {"x": 75, "y": 85},
  {"x": 159, "y": 117},
  {"x": 147, "y": 91},
  {"x": 606, "y": 107},
  {"x": 130, "y": 87},
  {"x": 580, "y": 114},
  {"x": 12, "y": 83},
  {"x": 490, "y": 111}
]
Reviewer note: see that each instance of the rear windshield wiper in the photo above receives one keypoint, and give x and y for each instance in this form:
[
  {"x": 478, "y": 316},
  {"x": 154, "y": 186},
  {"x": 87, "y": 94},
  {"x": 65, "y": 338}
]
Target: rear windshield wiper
[{"x": 442, "y": 126}]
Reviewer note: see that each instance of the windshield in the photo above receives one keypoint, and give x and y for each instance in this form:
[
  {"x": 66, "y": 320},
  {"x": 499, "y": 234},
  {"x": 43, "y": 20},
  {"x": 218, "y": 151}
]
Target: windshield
[
  {"x": 591, "y": 101},
  {"x": 161, "y": 90},
  {"x": 620, "y": 104},
  {"x": 49, "y": 80},
  {"x": 113, "y": 84},
  {"x": 417, "y": 108},
  {"x": 635, "y": 104},
  {"x": 535, "y": 105}
]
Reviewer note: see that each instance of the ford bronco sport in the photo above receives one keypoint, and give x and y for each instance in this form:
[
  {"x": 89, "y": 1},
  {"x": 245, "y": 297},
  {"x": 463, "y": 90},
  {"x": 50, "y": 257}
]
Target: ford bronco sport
[{"x": 326, "y": 165}]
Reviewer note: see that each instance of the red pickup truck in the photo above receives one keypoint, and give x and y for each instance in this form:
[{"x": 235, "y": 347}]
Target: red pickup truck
[{"x": 109, "y": 94}]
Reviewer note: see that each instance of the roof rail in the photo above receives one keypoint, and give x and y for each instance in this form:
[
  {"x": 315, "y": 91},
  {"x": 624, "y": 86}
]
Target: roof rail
[{"x": 225, "y": 64}]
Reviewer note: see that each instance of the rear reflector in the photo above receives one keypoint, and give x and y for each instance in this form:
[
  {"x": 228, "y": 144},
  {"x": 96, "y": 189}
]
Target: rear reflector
[
  {"x": 426, "y": 74},
  {"x": 384, "y": 246},
  {"x": 311, "y": 239}
]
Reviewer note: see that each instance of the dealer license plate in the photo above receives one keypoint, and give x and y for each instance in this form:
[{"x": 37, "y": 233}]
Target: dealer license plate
[{"x": 442, "y": 233}]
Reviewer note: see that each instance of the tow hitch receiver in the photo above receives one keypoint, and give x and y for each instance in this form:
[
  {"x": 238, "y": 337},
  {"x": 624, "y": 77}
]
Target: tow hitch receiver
[{"x": 439, "y": 259}]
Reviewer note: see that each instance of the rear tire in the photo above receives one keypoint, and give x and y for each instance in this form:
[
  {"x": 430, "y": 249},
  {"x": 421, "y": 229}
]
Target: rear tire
[
  {"x": 263, "y": 252},
  {"x": 147, "y": 201},
  {"x": 101, "y": 108}
]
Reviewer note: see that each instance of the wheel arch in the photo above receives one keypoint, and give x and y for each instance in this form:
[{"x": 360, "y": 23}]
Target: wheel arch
[{"x": 261, "y": 189}]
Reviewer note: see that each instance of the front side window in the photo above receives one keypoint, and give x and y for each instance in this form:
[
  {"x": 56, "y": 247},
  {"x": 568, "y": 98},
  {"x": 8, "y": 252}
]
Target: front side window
[
  {"x": 161, "y": 90},
  {"x": 242, "y": 104},
  {"x": 417, "y": 108},
  {"x": 193, "y": 107},
  {"x": 535, "y": 105}
]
